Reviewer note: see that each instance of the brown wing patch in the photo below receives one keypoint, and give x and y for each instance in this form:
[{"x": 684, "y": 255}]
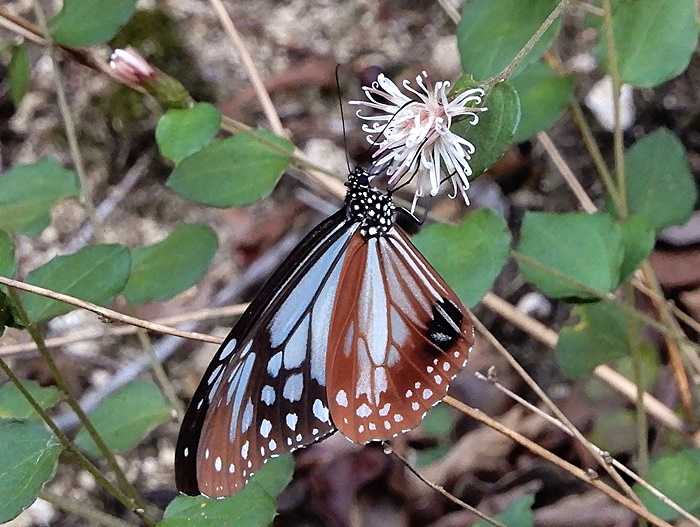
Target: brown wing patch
[{"x": 398, "y": 337}]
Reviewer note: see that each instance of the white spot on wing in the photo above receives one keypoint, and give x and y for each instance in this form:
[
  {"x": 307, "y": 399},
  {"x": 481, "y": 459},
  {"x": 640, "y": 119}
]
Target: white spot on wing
[
  {"x": 247, "y": 416},
  {"x": 342, "y": 398},
  {"x": 293, "y": 387},
  {"x": 295, "y": 350},
  {"x": 291, "y": 420},
  {"x": 230, "y": 347},
  {"x": 363, "y": 410},
  {"x": 320, "y": 411},
  {"x": 265, "y": 428},
  {"x": 274, "y": 364},
  {"x": 267, "y": 395}
]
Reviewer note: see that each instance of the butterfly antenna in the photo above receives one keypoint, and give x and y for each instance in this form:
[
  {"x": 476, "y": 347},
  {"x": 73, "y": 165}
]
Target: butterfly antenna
[{"x": 342, "y": 115}]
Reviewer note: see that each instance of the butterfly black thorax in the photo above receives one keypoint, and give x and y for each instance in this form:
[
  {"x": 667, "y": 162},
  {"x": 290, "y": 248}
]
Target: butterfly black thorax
[{"x": 370, "y": 207}]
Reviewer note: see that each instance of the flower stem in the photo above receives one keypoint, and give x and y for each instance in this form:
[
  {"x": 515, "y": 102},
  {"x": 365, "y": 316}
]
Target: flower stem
[
  {"x": 618, "y": 139},
  {"x": 638, "y": 376},
  {"x": 527, "y": 48}
]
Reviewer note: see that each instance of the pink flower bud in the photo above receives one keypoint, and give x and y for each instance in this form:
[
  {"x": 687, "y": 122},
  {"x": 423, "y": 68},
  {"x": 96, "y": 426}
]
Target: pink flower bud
[{"x": 130, "y": 67}]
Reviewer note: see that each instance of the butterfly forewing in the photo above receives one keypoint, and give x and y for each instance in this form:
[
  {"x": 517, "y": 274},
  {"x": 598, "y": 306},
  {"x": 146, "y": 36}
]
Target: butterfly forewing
[
  {"x": 398, "y": 337},
  {"x": 264, "y": 392}
]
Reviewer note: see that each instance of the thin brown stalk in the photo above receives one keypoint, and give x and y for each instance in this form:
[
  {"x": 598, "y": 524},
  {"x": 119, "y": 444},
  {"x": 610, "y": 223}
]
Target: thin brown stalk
[
  {"x": 137, "y": 502},
  {"x": 80, "y": 509},
  {"x": 107, "y": 313},
  {"x": 450, "y": 10},
  {"x": 166, "y": 387},
  {"x": 481, "y": 328},
  {"x": 249, "y": 65},
  {"x": 92, "y": 334},
  {"x": 556, "y": 460},
  {"x": 454, "y": 499},
  {"x": 68, "y": 121},
  {"x": 566, "y": 172},
  {"x": 491, "y": 379},
  {"x": 615, "y": 380}
]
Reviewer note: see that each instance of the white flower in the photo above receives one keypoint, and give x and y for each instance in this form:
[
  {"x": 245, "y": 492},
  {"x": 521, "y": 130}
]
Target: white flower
[{"x": 413, "y": 136}]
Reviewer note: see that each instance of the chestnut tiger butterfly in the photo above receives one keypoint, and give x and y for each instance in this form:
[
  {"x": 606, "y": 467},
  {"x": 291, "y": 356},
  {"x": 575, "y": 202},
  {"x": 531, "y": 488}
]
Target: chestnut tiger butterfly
[{"x": 354, "y": 331}]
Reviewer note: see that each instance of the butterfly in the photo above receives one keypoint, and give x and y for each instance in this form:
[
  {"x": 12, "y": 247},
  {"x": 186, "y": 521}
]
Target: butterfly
[{"x": 355, "y": 332}]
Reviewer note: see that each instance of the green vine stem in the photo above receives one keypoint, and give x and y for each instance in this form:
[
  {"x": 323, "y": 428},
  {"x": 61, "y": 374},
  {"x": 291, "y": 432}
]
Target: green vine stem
[
  {"x": 527, "y": 48},
  {"x": 83, "y": 461},
  {"x": 135, "y": 502}
]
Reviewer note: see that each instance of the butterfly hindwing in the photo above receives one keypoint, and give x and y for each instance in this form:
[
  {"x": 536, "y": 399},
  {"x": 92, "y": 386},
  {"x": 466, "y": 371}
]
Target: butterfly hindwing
[{"x": 399, "y": 336}]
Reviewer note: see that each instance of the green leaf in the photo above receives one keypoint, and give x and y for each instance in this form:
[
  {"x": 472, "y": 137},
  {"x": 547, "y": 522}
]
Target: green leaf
[
  {"x": 18, "y": 74},
  {"x": 162, "y": 270},
  {"x": 518, "y": 514},
  {"x": 27, "y": 193},
  {"x": 496, "y": 128},
  {"x": 544, "y": 95},
  {"x": 233, "y": 172},
  {"x": 13, "y": 405},
  {"x": 254, "y": 506},
  {"x": 7, "y": 255},
  {"x": 568, "y": 253},
  {"x": 654, "y": 39},
  {"x": 439, "y": 421},
  {"x": 88, "y": 22},
  {"x": 615, "y": 432},
  {"x": 124, "y": 418},
  {"x": 600, "y": 336},
  {"x": 8, "y": 314},
  {"x": 478, "y": 251},
  {"x": 491, "y": 32},
  {"x": 660, "y": 185},
  {"x": 678, "y": 477},
  {"x": 649, "y": 361},
  {"x": 638, "y": 238},
  {"x": 95, "y": 273},
  {"x": 597, "y": 390},
  {"x": 181, "y": 133},
  {"x": 28, "y": 459}
]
